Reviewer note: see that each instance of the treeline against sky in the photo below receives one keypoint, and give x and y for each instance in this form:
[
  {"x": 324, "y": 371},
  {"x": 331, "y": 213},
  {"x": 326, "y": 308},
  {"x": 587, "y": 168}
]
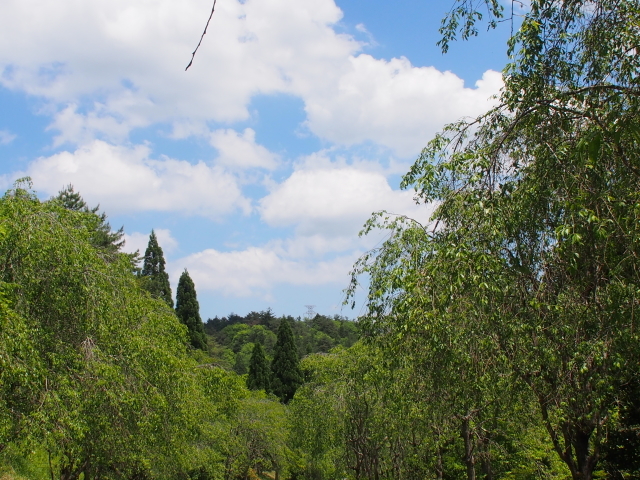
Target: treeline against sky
[
  {"x": 100, "y": 379},
  {"x": 232, "y": 338}
]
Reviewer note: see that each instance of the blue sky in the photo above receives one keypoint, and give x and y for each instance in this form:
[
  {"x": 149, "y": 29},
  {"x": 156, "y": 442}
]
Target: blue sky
[{"x": 258, "y": 166}]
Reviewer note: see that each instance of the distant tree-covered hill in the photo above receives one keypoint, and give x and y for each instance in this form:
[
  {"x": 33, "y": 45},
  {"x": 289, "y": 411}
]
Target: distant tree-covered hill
[{"x": 234, "y": 336}]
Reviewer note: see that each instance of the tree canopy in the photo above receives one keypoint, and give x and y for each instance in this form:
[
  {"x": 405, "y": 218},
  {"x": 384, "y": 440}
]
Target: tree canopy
[
  {"x": 499, "y": 339},
  {"x": 102, "y": 237},
  {"x": 530, "y": 261},
  {"x": 88, "y": 361}
]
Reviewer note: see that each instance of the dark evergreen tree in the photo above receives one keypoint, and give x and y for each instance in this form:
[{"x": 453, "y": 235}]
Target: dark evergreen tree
[
  {"x": 259, "y": 371},
  {"x": 188, "y": 311},
  {"x": 285, "y": 367},
  {"x": 156, "y": 280},
  {"x": 102, "y": 237}
]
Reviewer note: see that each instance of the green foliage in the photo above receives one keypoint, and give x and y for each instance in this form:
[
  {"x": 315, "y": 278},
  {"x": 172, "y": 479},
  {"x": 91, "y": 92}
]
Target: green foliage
[
  {"x": 500, "y": 338},
  {"x": 259, "y": 377},
  {"x": 94, "y": 371},
  {"x": 530, "y": 262},
  {"x": 621, "y": 452},
  {"x": 360, "y": 416},
  {"x": 257, "y": 438},
  {"x": 232, "y": 338},
  {"x": 188, "y": 311},
  {"x": 101, "y": 235},
  {"x": 95, "y": 380},
  {"x": 156, "y": 279},
  {"x": 285, "y": 368}
]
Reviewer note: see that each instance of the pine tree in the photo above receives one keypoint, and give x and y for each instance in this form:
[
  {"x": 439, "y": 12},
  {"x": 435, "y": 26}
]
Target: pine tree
[
  {"x": 188, "y": 311},
  {"x": 285, "y": 367},
  {"x": 102, "y": 237},
  {"x": 156, "y": 279},
  {"x": 259, "y": 372}
]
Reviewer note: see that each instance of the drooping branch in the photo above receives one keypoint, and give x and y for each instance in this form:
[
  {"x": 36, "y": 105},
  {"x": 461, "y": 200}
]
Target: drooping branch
[{"x": 193, "y": 55}]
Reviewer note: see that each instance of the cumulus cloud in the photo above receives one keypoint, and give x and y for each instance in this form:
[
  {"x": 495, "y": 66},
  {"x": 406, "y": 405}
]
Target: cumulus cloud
[
  {"x": 125, "y": 179},
  {"x": 139, "y": 241},
  {"x": 78, "y": 128},
  {"x": 257, "y": 270},
  {"x": 132, "y": 55},
  {"x": 395, "y": 104},
  {"x": 335, "y": 199},
  {"x": 241, "y": 150},
  {"x": 109, "y": 66}
]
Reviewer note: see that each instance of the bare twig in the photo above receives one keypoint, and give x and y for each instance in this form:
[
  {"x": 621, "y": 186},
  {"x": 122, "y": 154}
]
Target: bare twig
[{"x": 193, "y": 55}]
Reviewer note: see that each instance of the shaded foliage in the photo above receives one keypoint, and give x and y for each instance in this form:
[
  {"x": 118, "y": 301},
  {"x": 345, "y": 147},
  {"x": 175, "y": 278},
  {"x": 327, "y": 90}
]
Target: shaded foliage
[
  {"x": 235, "y": 335},
  {"x": 259, "y": 377}
]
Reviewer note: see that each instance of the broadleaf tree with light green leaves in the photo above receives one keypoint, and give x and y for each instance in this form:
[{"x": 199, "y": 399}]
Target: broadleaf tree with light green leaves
[
  {"x": 532, "y": 252},
  {"x": 95, "y": 373}
]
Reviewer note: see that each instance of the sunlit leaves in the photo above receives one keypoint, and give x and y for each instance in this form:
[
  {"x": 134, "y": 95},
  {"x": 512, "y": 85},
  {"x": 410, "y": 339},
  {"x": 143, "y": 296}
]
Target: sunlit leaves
[{"x": 531, "y": 260}]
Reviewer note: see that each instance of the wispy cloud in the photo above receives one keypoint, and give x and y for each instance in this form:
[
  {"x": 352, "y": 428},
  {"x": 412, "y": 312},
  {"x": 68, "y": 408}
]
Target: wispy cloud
[{"x": 6, "y": 137}]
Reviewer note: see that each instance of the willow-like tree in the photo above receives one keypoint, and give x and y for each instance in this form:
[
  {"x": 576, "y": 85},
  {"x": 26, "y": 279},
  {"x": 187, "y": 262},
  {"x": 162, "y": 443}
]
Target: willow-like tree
[
  {"x": 534, "y": 248},
  {"x": 156, "y": 279},
  {"x": 285, "y": 366},
  {"x": 188, "y": 311},
  {"x": 82, "y": 345},
  {"x": 259, "y": 372}
]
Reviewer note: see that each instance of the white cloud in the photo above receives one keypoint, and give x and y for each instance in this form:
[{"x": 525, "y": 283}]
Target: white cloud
[
  {"x": 132, "y": 55},
  {"x": 112, "y": 65},
  {"x": 257, "y": 270},
  {"x": 241, "y": 150},
  {"x": 140, "y": 241},
  {"x": 394, "y": 103},
  {"x": 124, "y": 179},
  {"x": 335, "y": 199},
  {"x": 78, "y": 128},
  {"x": 6, "y": 137}
]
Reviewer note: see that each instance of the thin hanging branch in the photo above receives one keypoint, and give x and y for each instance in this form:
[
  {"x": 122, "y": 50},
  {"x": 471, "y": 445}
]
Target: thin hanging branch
[{"x": 193, "y": 55}]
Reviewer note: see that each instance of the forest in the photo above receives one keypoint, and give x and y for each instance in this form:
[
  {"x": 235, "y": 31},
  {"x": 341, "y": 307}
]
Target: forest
[{"x": 498, "y": 341}]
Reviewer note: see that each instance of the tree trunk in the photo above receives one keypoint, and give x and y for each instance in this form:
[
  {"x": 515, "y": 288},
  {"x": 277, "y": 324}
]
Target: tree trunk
[
  {"x": 469, "y": 459},
  {"x": 586, "y": 463},
  {"x": 485, "y": 460},
  {"x": 439, "y": 464}
]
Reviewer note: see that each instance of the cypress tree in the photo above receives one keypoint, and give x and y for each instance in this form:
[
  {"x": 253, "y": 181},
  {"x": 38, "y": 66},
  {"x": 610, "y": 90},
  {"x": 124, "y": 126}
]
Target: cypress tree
[
  {"x": 188, "y": 311},
  {"x": 157, "y": 280},
  {"x": 259, "y": 372},
  {"x": 285, "y": 367}
]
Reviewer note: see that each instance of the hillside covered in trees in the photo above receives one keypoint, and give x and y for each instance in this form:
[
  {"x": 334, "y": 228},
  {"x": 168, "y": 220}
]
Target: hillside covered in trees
[
  {"x": 499, "y": 341},
  {"x": 233, "y": 337}
]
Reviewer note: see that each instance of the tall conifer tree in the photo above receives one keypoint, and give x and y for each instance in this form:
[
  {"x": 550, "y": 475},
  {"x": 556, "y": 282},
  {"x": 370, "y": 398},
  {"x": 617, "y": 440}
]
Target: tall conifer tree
[
  {"x": 157, "y": 280},
  {"x": 102, "y": 237},
  {"x": 188, "y": 311},
  {"x": 259, "y": 371},
  {"x": 285, "y": 367}
]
